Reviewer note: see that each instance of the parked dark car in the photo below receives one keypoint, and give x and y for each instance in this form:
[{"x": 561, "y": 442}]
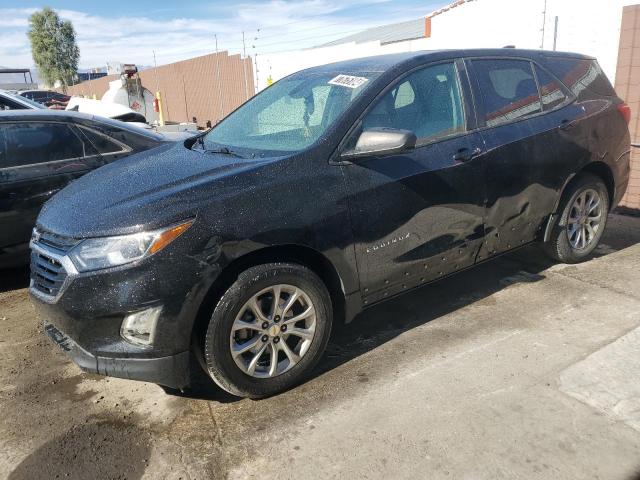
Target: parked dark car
[
  {"x": 13, "y": 101},
  {"x": 47, "y": 98},
  {"x": 41, "y": 152},
  {"x": 332, "y": 190}
]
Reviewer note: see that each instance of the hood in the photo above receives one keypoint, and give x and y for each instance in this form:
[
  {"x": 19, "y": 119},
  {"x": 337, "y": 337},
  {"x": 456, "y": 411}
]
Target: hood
[
  {"x": 179, "y": 136},
  {"x": 148, "y": 190},
  {"x": 97, "y": 107}
]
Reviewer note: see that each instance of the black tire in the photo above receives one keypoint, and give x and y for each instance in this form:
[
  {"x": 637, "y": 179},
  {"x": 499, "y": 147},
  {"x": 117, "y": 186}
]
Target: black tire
[
  {"x": 217, "y": 346},
  {"x": 558, "y": 247}
]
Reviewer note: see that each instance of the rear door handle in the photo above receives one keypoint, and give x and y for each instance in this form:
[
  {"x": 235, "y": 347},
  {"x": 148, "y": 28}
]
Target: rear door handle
[{"x": 466, "y": 154}]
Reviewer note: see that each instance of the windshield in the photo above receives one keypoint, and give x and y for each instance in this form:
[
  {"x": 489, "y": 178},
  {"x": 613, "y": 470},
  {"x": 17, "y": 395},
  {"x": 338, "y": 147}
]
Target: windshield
[
  {"x": 290, "y": 115},
  {"x": 21, "y": 99}
]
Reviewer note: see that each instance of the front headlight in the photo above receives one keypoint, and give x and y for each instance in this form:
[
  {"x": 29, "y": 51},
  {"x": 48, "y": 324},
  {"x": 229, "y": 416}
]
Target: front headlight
[{"x": 105, "y": 252}]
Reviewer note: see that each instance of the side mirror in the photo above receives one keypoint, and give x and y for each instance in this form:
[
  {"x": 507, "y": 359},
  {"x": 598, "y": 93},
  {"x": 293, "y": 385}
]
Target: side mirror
[{"x": 382, "y": 141}]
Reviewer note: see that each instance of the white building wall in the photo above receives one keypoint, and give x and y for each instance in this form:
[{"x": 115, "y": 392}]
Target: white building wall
[
  {"x": 585, "y": 26},
  {"x": 588, "y": 26}
]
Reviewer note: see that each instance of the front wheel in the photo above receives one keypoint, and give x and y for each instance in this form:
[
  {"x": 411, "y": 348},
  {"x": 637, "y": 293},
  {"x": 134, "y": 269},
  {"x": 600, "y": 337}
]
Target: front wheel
[
  {"x": 583, "y": 217},
  {"x": 268, "y": 330}
]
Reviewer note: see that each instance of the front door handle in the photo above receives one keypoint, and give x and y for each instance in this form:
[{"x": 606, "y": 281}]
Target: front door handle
[{"x": 466, "y": 154}]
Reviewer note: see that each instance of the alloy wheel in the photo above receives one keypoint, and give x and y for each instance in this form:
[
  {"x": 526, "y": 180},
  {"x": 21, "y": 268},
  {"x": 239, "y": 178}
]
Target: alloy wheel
[
  {"x": 273, "y": 331},
  {"x": 584, "y": 219}
]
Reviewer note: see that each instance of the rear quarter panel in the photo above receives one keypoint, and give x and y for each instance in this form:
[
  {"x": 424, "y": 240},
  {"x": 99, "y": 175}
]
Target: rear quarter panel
[{"x": 600, "y": 134}]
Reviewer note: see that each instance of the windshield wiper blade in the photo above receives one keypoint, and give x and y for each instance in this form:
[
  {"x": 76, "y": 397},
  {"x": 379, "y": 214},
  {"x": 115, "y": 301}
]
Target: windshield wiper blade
[{"x": 224, "y": 151}]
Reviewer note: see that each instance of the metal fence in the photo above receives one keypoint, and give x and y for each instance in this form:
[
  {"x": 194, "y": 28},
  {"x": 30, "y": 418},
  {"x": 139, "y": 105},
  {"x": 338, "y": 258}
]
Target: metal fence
[{"x": 205, "y": 88}]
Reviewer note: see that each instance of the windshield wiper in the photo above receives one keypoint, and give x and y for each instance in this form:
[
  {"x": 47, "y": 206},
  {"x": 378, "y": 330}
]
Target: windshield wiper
[{"x": 223, "y": 151}]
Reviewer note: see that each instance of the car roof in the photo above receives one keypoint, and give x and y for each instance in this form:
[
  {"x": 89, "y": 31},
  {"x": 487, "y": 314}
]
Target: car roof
[
  {"x": 381, "y": 63},
  {"x": 73, "y": 117}
]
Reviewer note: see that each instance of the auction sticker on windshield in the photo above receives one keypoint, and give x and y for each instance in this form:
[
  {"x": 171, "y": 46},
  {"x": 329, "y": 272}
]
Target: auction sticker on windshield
[{"x": 347, "y": 81}]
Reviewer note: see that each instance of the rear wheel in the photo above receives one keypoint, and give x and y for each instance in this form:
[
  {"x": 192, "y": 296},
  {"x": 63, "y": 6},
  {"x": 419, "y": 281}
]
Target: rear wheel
[
  {"x": 582, "y": 220},
  {"x": 268, "y": 330}
]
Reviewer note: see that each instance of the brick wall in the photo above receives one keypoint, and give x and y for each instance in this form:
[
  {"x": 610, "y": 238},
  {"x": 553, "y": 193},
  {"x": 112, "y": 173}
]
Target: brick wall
[
  {"x": 190, "y": 88},
  {"x": 628, "y": 87}
]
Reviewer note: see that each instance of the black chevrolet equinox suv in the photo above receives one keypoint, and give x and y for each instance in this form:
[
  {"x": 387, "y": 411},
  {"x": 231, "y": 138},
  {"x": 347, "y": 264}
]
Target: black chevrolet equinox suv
[{"x": 334, "y": 189}]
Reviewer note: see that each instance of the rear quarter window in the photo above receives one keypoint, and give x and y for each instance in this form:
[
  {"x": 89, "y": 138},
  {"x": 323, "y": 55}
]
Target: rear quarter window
[
  {"x": 102, "y": 143},
  {"x": 581, "y": 75}
]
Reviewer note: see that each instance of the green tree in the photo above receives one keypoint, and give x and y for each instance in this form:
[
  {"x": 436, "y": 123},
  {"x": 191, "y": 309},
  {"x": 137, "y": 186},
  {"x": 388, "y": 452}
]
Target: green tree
[{"x": 53, "y": 47}]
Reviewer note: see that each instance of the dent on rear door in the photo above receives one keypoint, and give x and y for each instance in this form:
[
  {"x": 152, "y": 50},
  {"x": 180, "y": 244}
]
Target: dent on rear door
[
  {"x": 521, "y": 183},
  {"x": 529, "y": 164},
  {"x": 520, "y": 159}
]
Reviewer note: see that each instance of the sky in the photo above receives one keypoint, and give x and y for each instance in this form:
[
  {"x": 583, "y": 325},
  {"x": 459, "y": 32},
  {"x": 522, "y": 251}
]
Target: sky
[{"x": 129, "y": 31}]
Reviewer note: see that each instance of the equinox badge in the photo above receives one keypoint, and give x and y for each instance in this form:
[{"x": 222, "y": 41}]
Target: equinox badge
[{"x": 387, "y": 243}]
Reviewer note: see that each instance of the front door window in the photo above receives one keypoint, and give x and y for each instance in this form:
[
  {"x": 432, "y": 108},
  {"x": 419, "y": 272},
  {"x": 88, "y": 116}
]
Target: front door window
[{"x": 427, "y": 102}]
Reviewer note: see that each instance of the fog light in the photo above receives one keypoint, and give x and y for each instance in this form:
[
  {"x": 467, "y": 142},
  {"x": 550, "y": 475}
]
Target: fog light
[{"x": 140, "y": 327}]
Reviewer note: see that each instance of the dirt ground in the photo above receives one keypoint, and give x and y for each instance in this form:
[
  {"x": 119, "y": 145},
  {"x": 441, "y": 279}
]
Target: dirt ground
[{"x": 515, "y": 369}]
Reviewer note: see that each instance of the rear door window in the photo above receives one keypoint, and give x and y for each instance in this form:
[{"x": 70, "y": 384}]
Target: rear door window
[
  {"x": 508, "y": 90},
  {"x": 34, "y": 143},
  {"x": 427, "y": 102},
  {"x": 552, "y": 92}
]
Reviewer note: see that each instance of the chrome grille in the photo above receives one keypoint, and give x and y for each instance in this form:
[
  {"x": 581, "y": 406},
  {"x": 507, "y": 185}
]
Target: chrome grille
[{"x": 48, "y": 275}]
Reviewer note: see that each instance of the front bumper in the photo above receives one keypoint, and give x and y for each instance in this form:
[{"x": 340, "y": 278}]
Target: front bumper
[
  {"x": 171, "y": 371},
  {"x": 83, "y": 312}
]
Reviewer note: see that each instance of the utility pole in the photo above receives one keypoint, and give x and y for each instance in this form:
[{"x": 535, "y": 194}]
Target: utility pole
[
  {"x": 544, "y": 22},
  {"x": 555, "y": 34},
  {"x": 255, "y": 62},
  {"x": 155, "y": 69},
  {"x": 219, "y": 82},
  {"x": 244, "y": 67}
]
